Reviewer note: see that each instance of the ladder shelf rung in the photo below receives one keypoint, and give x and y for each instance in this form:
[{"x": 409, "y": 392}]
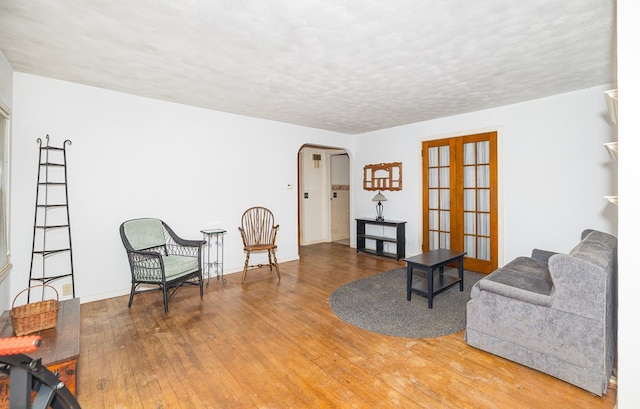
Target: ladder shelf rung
[
  {"x": 51, "y": 205},
  {"x": 52, "y": 164},
  {"x": 45, "y": 280},
  {"x": 46, "y": 253},
  {"x": 52, "y": 183},
  {"x": 56, "y": 226}
]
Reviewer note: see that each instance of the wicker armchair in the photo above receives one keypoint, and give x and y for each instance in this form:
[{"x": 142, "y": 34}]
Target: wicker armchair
[
  {"x": 158, "y": 257},
  {"x": 259, "y": 234}
]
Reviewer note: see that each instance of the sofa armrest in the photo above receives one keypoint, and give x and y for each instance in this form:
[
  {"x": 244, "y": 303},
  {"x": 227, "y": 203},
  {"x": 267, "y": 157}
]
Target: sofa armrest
[
  {"x": 542, "y": 255},
  {"x": 580, "y": 287},
  {"x": 514, "y": 292}
]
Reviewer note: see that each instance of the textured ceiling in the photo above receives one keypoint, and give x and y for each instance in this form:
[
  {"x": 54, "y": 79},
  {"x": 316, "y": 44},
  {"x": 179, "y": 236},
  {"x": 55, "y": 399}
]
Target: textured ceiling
[{"x": 349, "y": 66}]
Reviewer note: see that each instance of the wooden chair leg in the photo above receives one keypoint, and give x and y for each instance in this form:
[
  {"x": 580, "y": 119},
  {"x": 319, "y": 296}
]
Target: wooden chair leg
[
  {"x": 275, "y": 262},
  {"x": 246, "y": 264}
]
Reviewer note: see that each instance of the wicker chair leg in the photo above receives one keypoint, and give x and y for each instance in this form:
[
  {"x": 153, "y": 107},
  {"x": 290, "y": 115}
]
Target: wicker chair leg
[
  {"x": 133, "y": 290},
  {"x": 246, "y": 264},
  {"x": 165, "y": 297}
]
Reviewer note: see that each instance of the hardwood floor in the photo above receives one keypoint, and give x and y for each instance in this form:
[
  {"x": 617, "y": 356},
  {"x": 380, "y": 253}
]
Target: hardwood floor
[{"x": 266, "y": 344}]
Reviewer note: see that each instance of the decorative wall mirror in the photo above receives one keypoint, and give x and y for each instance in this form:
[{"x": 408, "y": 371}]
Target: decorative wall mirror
[{"x": 383, "y": 176}]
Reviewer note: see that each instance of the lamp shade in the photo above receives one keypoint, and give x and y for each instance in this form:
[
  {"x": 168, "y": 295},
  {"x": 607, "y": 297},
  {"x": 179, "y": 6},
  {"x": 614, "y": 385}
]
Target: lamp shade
[{"x": 379, "y": 198}]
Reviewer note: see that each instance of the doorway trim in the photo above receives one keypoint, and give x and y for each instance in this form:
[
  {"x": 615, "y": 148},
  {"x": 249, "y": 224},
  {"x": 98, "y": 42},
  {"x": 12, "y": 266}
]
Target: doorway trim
[{"x": 326, "y": 188}]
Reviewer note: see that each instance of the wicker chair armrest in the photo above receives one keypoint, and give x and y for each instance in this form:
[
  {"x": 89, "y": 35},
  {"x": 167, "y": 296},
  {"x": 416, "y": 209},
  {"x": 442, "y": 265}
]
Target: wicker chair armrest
[
  {"x": 144, "y": 253},
  {"x": 188, "y": 243},
  {"x": 146, "y": 265},
  {"x": 193, "y": 243},
  {"x": 191, "y": 248}
]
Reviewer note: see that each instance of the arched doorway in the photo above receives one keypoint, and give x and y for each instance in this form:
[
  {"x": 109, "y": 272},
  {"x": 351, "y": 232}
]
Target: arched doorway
[{"x": 324, "y": 196}]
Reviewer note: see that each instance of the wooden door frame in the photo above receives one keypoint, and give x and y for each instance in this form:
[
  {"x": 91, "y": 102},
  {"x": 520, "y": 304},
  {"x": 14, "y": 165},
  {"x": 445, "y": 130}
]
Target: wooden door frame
[{"x": 456, "y": 205}]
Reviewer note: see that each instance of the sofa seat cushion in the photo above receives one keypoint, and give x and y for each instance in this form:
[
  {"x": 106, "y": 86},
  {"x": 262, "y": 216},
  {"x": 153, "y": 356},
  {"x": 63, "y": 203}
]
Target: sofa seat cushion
[{"x": 526, "y": 274}]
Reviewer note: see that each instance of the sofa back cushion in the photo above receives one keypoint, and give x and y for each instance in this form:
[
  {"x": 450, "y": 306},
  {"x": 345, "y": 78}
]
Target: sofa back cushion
[{"x": 597, "y": 248}]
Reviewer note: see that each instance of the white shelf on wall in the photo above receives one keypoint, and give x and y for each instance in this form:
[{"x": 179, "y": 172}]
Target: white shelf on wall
[{"x": 612, "y": 147}]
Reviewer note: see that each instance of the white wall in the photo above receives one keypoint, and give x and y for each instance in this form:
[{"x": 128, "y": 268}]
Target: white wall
[
  {"x": 6, "y": 82},
  {"x": 137, "y": 157},
  {"x": 552, "y": 166},
  {"x": 6, "y": 101},
  {"x": 629, "y": 169}
]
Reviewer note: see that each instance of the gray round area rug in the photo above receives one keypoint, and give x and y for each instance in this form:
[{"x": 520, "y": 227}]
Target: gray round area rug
[{"x": 379, "y": 304}]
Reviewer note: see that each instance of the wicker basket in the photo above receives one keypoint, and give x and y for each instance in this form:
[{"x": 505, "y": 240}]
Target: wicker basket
[{"x": 34, "y": 317}]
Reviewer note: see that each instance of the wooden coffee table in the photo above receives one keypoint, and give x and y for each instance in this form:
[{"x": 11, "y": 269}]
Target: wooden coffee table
[{"x": 429, "y": 262}]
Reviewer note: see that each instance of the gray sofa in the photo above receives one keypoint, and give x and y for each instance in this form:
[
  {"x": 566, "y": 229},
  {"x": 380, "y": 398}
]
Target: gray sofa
[{"x": 552, "y": 312}]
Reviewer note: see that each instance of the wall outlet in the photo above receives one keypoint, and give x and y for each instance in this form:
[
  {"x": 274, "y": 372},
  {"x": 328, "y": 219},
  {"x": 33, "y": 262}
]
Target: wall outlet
[{"x": 67, "y": 289}]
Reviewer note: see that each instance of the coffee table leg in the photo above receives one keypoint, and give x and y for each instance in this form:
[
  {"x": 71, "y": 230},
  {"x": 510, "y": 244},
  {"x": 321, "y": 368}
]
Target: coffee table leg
[
  {"x": 461, "y": 272},
  {"x": 409, "y": 280},
  {"x": 430, "y": 292}
]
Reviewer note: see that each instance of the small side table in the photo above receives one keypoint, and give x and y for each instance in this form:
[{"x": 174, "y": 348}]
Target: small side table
[
  {"x": 214, "y": 237},
  {"x": 430, "y": 261}
]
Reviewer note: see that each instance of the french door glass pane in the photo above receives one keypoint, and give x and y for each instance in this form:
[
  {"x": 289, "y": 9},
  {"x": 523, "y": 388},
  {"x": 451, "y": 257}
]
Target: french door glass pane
[
  {"x": 444, "y": 156},
  {"x": 433, "y": 157},
  {"x": 484, "y": 200},
  {"x": 469, "y": 223},
  {"x": 445, "y": 221},
  {"x": 470, "y": 246},
  {"x": 483, "y": 152},
  {"x": 444, "y": 177},
  {"x": 483, "y": 176},
  {"x": 469, "y": 176},
  {"x": 445, "y": 242},
  {"x": 469, "y": 153},
  {"x": 433, "y": 198},
  {"x": 434, "y": 243},
  {"x": 433, "y": 177},
  {"x": 469, "y": 200},
  {"x": 483, "y": 224},
  {"x": 433, "y": 220},
  {"x": 483, "y": 248},
  {"x": 445, "y": 198}
]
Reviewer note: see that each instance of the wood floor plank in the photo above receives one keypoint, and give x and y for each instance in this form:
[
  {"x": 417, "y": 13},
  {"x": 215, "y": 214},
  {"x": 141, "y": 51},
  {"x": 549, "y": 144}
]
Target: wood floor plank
[{"x": 277, "y": 344}]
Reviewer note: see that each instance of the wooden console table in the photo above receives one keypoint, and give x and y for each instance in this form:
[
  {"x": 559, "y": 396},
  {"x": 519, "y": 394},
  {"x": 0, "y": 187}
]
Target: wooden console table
[
  {"x": 59, "y": 348},
  {"x": 398, "y": 238}
]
